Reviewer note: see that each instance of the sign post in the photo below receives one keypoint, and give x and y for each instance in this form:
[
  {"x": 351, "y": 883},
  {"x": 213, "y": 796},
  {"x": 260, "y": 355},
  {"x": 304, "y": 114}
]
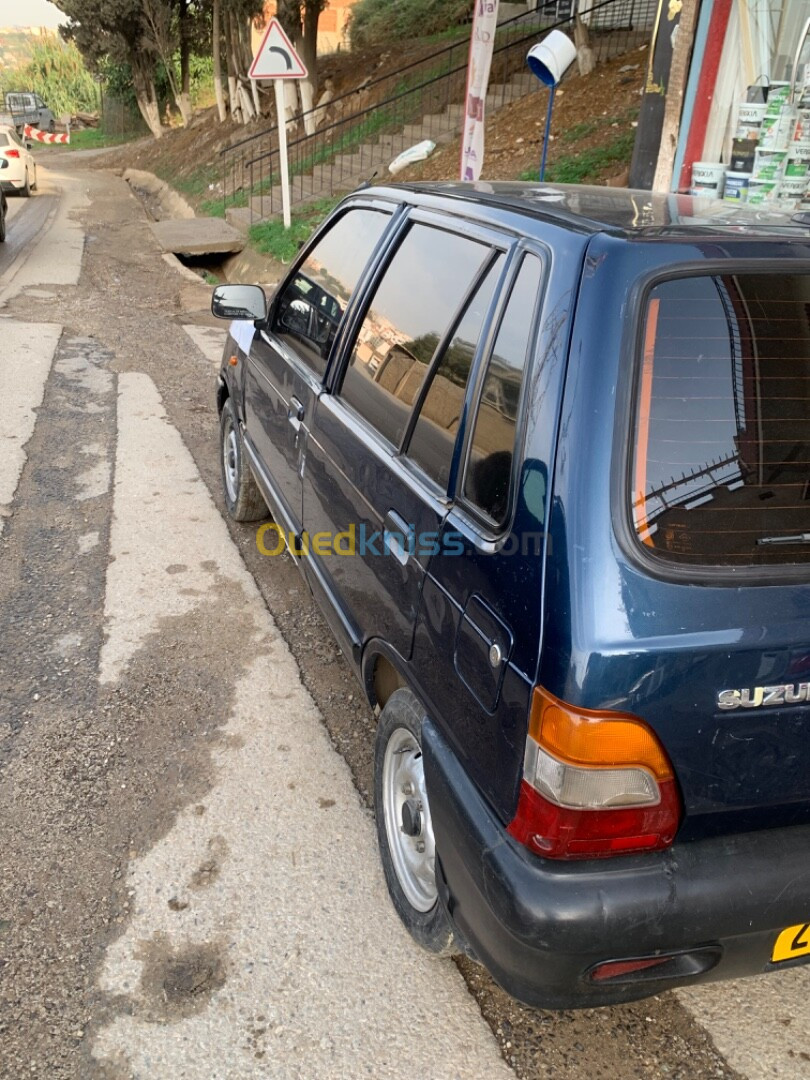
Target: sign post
[{"x": 276, "y": 59}]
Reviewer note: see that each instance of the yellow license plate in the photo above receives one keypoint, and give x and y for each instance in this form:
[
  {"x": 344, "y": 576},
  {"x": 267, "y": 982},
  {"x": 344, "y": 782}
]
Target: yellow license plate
[{"x": 792, "y": 943}]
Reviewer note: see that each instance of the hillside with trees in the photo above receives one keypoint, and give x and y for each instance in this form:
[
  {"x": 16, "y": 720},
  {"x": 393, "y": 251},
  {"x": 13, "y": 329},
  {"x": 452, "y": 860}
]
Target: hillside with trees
[{"x": 152, "y": 42}]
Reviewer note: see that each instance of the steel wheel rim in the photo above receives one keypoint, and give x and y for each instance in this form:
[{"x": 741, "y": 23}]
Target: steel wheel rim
[
  {"x": 404, "y": 779},
  {"x": 230, "y": 461}
]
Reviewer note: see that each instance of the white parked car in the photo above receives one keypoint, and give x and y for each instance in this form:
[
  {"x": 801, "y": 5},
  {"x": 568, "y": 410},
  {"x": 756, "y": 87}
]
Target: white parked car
[{"x": 21, "y": 174}]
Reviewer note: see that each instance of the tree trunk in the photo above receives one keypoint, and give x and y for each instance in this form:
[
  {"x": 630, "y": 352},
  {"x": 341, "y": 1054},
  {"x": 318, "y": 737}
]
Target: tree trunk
[
  {"x": 582, "y": 40},
  {"x": 309, "y": 41},
  {"x": 184, "y": 97},
  {"x": 678, "y": 73},
  {"x": 233, "y": 85},
  {"x": 216, "y": 44},
  {"x": 144, "y": 85},
  {"x": 307, "y": 102}
]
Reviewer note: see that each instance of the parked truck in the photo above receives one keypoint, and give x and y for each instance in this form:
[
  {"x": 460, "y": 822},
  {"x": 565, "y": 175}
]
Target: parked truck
[{"x": 23, "y": 107}]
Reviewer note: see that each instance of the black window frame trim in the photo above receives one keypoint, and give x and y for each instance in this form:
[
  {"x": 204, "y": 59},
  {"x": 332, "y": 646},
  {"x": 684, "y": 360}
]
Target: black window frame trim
[
  {"x": 394, "y": 211},
  {"x": 493, "y": 238},
  {"x": 489, "y": 534},
  {"x": 624, "y": 426}
]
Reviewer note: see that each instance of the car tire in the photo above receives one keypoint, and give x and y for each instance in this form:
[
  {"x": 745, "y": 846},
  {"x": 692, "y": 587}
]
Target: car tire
[
  {"x": 25, "y": 190},
  {"x": 36, "y": 182},
  {"x": 242, "y": 496},
  {"x": 404, "y": 825},
  {"x": 2, "y": 226}
]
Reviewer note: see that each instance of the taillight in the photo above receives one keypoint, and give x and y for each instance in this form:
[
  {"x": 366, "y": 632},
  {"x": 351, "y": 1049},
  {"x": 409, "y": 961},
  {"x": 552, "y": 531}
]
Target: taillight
[
  {"x": 12, "y": 153},
  {"x": 594, "y": 784}
]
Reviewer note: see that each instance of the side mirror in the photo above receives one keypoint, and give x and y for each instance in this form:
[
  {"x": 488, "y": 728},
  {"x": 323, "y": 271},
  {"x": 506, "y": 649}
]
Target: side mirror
[
  {"x": 239, "y": 302},
  {"x": 29, "y": 145}
]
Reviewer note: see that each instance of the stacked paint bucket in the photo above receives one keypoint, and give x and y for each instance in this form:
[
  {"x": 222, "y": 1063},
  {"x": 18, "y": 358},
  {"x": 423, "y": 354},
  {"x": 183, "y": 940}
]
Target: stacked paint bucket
[{"x": 770, "y": 158}]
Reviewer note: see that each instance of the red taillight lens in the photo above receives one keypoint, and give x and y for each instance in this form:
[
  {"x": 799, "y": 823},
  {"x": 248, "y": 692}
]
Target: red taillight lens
[
  {"x": 12, "y": 153},
  {"x": 594, "y": 784}
]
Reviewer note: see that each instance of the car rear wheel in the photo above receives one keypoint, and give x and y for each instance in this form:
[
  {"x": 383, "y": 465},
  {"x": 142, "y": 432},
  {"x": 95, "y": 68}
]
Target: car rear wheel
[
  {"x": 242, "y": 496},
  {"x": 404, "y": 826},
  {"x": 25, "y": 190}
]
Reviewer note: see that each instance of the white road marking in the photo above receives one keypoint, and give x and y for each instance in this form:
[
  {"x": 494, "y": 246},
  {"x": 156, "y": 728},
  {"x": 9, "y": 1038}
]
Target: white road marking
[
  {"x": 28, "y": 351},
  {"x": 210, "y": 340},
  {"x": 40, "y": 265},
  {"x": 298, "y": 908},
  {"x": 762, "y": 1025}
]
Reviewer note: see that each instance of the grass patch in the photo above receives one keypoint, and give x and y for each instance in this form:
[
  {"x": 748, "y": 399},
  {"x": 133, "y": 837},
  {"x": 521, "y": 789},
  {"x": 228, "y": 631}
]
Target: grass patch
[
  {"x": 587, "y": 164},
  {"x": 271, "y": 238},
  {"x": 95, "y": 139}
]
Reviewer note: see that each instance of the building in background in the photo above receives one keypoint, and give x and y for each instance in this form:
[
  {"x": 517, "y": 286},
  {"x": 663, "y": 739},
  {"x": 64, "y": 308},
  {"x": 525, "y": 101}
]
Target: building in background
[{"x": 333, "y": 25}]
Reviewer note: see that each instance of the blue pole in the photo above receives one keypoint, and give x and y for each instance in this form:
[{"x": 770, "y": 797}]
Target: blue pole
[{"x": 547, "y": 131}]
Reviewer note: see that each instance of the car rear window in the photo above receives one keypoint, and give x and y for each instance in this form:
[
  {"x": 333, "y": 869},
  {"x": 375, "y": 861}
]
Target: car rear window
[{"x": 721, "y": 461}]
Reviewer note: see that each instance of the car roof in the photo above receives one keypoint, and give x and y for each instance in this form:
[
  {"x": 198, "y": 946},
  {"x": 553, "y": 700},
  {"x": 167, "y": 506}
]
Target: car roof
[{"x": 617, "y": 210}]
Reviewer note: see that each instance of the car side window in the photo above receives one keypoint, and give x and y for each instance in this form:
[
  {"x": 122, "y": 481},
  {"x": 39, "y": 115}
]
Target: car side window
[
  {"x": 434, "y": 434},
  {"x": 308, "y": 311},
  {"x": 489, "y": 466},
  {"x": 414, "y": 304}
]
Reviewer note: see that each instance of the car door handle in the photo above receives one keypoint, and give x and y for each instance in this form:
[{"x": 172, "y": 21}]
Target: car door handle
[
  {"x": 396, "y": 525},
  {"x": 295, "y": 413}
]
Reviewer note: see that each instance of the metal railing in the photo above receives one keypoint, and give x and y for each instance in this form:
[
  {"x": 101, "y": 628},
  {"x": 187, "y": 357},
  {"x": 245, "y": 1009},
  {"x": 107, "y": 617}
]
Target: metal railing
[{"x": 359, "y": 133}]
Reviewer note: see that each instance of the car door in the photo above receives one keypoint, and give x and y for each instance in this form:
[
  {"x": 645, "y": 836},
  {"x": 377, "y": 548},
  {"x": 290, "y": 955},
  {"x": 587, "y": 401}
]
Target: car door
[
  {"x": 477, "y": 636},
  {"x": 373, "y": 511},
  {"x": 289, "y": 358}
]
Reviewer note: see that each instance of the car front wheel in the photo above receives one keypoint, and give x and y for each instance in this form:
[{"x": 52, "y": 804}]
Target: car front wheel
[
  {"x": 404, "y": 826},
  {"x": 242, "y": 496}
]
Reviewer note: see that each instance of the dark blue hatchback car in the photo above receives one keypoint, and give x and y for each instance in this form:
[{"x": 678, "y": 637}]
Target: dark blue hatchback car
[{"x": 543, "y": 456}]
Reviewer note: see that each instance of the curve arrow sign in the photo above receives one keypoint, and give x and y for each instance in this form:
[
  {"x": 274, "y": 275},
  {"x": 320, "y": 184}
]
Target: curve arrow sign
[{"x": 276, "y": 58}]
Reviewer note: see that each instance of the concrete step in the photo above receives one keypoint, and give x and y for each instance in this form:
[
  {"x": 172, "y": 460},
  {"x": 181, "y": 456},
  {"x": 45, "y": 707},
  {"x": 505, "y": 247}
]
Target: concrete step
[
  {"x": 525, "y": 82},
  {"x": 334, "y": 171},
  {"x": 241, "y": 217},
  {"x": 413, "y": 133},
  {"x": 267, "y": 205},
  {"x": 301, "y": 185},
  {"x": 503, "y": 95}
]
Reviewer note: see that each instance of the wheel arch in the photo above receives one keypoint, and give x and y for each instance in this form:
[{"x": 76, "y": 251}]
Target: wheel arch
[{"x": 383, "y": 670}]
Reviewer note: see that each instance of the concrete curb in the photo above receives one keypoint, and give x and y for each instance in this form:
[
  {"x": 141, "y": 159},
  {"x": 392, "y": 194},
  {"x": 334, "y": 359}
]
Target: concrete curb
[{"x": 171, "y": 203}]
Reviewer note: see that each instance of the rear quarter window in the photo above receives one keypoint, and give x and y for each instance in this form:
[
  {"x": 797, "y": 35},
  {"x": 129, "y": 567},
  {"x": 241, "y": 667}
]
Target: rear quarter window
[{"x": 721, "y": 449}]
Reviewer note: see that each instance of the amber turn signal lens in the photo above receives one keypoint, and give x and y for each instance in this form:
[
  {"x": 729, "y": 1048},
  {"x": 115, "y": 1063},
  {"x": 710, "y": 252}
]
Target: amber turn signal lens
[{"x": 595, "y": 738}]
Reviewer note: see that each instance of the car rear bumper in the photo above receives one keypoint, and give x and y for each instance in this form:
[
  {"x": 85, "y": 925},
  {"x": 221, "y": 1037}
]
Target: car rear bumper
[{"x": 540, "y": 926}]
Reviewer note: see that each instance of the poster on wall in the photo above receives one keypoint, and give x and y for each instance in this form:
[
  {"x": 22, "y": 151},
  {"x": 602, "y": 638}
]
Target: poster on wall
[{"x": 482, "y": 41}]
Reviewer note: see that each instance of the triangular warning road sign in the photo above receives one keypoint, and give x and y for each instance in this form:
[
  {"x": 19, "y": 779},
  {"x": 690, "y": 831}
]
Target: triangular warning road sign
[{"x": 276, "y": 58}]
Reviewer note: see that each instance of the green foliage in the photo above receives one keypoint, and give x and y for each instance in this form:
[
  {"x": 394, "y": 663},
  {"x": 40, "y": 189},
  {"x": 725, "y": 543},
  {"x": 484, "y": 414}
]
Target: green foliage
[
  {"x": 93, "y": 139},
  {"x": 271, "y": 238},
  {"x": 378, "y": 22},
  {"x": 587, "y": 165},
  {"x": 57, "y": 73}
]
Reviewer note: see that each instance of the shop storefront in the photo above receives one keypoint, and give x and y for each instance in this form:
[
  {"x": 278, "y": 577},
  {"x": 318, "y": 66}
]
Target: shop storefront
[{"x": 745, "y": 127}]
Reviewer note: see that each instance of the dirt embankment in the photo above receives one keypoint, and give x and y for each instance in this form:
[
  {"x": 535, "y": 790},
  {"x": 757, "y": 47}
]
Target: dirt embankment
[{"x": 593, "y": 115}]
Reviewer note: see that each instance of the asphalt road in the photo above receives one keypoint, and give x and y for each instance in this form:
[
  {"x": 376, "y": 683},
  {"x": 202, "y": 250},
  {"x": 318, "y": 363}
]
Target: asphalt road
[{"x": 188, "y": 877}]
